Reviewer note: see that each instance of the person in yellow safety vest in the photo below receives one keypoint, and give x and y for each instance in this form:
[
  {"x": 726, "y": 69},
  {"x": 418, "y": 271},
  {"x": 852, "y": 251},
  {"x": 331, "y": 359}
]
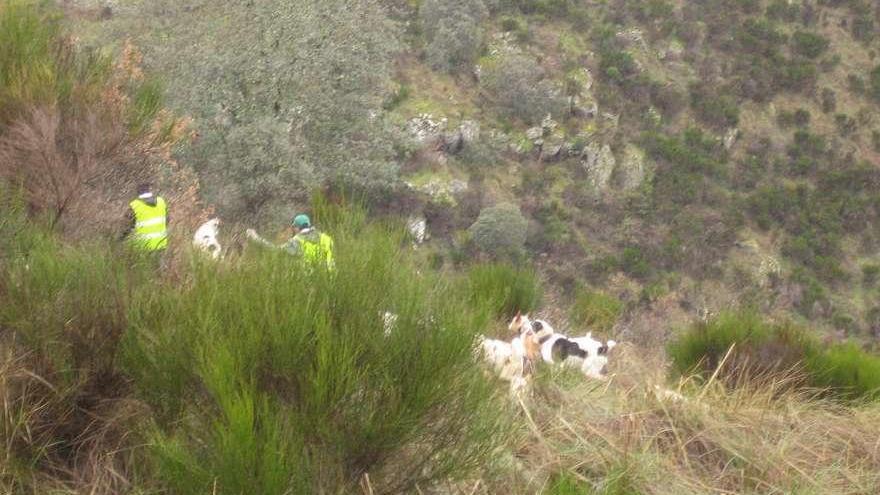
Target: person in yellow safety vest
[
  {"x": 148, "y": 221},
  {"x": 313, "y": 246}
]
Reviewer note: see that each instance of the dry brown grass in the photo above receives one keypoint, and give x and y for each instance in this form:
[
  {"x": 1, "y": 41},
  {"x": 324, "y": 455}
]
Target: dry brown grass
[
  {"x": 63, "y": 438},
  {"x": 627, "y": 435}
]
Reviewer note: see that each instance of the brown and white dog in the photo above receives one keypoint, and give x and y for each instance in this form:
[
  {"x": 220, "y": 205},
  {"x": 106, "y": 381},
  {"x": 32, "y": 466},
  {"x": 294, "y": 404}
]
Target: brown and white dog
[{"x": 587, "y": 353}]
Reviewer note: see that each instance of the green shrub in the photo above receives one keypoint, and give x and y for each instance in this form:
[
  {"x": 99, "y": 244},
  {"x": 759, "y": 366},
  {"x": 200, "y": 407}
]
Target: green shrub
[
  {"x": 288, "y": 381},
  {"x": 782, "y": 10},
  {"x": 565, "y": 484},
  {"x": 847, "y": 370},
  {"x": 454, "y": 32},
  {"x": 634, "y": 262},
  {"x": 596, "y": 310},
  {"x": 617, "y": 66},
  {"x": 714, "y": 108},
  {"x": 870, "y": 274},
  {"x": 504, "y": 288},
  {"x": 799, "y": 118},
  {"x": 863, "y": 28},
  {"x": 808, "y": 44},
  {"x": 500, "y": 230},
  {"x": 256, "y": 375},
  {"x": 279, "y": 114},
  {"x": 761, "y": 349},
  {"x": 829, "y": 100},
  {"x": 516, "y": 87}
]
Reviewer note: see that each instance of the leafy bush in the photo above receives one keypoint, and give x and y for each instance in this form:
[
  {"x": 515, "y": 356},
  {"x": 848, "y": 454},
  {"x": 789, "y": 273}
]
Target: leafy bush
[
  {"x": 500, "y": 230},
  {"x": 808, "y": 152},
  {"x": 617, "y": 66},
  {"x": 504, "y": 288},
  {"x": 453, "y": 31},
  {"x": 280, "y": 114},
  {"x": 870, "y": 274},
  {"x": 76, "y": 127},
  {"x": 799, "y": 118},
  {"x": 761, "y": 350},
  {"x": 596, "y": 310},
  {"x": 808, "y": 44},
  {"x": 714, "y": 108},
  {"x": 516, "y": 87},
  {"x": 782, "y": 10}
]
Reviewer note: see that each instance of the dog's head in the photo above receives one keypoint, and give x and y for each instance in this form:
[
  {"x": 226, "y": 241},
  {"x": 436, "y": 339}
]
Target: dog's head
[{"x": 520, "y": 324}]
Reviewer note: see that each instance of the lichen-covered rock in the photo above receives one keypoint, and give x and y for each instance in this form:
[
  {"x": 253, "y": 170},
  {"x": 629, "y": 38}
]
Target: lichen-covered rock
[
  {"x": 634, "y": 169},
  {"x": 470, "y": 131},
  {"x": 441, "y": 191},
  {"x": 548, "y": 124},
  {"x": 424, "y": 128},
  {"x": 534, "y": 133},
  {"x": 417, "y": 225},
  {"x": 583, "y": 108},
  {"x": 599, "y": 162},
  {"x": 730, "y": 137}
]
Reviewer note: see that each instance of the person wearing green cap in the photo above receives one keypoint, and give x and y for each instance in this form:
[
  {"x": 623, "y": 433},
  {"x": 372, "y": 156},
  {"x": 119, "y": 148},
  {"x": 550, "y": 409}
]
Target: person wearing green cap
[{"x": 311, "y": 245}]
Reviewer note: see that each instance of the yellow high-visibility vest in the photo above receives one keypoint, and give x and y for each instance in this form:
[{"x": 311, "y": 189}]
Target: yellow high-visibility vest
[
  {"x": 150, "y": 231},
  {"x": 316, "y": 252}
]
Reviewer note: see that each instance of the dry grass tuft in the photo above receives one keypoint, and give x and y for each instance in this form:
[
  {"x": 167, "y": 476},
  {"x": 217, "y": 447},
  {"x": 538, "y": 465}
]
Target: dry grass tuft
[{"x": 634, "y": 435}]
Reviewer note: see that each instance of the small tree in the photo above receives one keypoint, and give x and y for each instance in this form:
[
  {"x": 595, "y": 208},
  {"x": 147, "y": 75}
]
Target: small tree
[
  {"x": 500, "y": 230},
  {"x": 454, "y": 32},
  {"x": 517, "y": 86}
]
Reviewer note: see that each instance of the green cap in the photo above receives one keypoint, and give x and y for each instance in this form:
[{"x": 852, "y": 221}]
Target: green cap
[{"x": 302, "y": 221}]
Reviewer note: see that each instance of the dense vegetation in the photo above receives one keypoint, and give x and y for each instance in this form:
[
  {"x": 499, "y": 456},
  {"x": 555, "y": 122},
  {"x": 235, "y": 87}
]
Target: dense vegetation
[{"x": 625, "y": 167}]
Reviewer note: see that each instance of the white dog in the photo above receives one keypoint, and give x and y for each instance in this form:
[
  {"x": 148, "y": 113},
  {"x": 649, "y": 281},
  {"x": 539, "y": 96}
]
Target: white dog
[
  {"x": 588, "y": 354},
  {"x": 205, "y": 238}
]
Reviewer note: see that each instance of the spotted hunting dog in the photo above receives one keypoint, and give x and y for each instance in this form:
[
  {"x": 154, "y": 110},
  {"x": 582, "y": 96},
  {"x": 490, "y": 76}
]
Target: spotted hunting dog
[{"x": 586, "y": 353}]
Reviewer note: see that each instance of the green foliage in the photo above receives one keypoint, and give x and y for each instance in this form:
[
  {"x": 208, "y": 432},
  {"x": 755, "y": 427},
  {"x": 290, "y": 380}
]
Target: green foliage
[
  {"x": 714, "y": 108},
  {"x": 783, "y": 10},
  {"x": 761, "y": 349},
  {"x": 694, "y": 150},
  {"x": 565, "y": 484},
  {"x": 29, "y": 71},
  {"x": 500, "y": 230},
  {"x": 634, "y": 262},
  {"x": 847, "y": 370},
  {"x": 504, "y": 288},
  {"x": 808, "y": 152},
  {"x": 280, "y": 114},
  {"x": 799, "y": 118},
  {"x": 870, "y": 274},
  {"x": 258, "y": 375},
  {"x": 453, "y": 31},
  {"x": 829, "y": 100},
  {"x": 596, "y": 310},
  {"x": 517, "y": 88},
  {"x": 808, "y": 44},
  {"x": 617, "y": 66}
]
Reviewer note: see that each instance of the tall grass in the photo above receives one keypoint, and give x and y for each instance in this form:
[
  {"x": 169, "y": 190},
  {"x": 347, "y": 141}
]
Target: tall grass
[
  {"x": 626, "y": 437},
  {"x": 506, "y": 289},
  {"x": 285, "y": 377},
  {"x": 255, "y": 376},
  {"x": 741, "y": 345},
  {"x": 596, "y": 310}
]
